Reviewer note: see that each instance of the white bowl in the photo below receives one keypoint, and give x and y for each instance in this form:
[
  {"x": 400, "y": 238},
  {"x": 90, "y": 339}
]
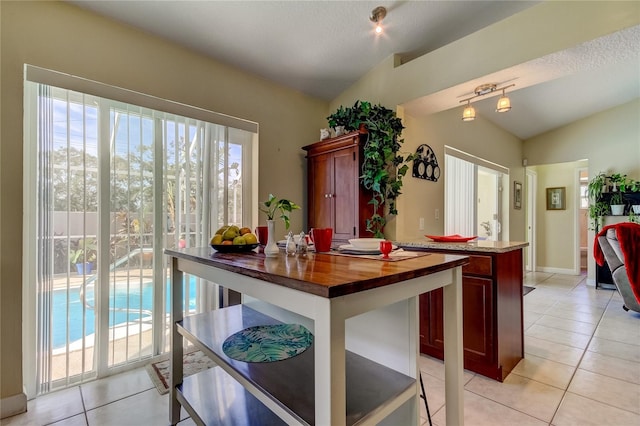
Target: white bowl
[{"x": 366, "y": 243}]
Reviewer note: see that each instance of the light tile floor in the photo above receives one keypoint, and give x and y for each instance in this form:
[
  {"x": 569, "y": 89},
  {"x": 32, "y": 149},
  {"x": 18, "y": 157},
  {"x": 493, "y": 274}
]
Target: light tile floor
[{"x": 581, "y": 367}]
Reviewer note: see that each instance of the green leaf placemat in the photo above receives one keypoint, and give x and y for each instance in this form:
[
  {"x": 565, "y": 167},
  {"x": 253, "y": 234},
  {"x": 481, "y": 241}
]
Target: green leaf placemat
[{"x": 267, "y": 343}]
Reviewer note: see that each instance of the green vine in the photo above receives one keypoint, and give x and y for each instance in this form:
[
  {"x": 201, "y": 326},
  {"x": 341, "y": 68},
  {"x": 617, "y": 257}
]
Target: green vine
[{"x": 382, "y": 166}]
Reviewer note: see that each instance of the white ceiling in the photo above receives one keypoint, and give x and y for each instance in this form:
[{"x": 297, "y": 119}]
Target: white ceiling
[{"x": 322, "y": 47}]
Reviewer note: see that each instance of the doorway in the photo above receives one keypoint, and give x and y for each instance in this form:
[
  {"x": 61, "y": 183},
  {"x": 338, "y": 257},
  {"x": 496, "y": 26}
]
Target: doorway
[
  {"x": 583, "y": 218},
  {"x": 473, "y": 196}
]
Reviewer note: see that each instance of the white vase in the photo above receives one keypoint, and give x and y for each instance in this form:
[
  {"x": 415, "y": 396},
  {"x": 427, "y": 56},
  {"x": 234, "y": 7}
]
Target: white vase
[
  {"x": 271, "y": 249},
  {"x": 636, "y": 208}
]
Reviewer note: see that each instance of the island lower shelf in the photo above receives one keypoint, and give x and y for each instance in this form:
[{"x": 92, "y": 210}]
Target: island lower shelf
[
  {"x": 212, "y": 397},
  {"x": 287, "y": 387}
]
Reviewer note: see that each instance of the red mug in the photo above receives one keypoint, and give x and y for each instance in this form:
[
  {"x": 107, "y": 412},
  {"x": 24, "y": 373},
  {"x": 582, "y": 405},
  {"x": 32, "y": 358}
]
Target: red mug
[
  {"x": 322, "y": 238},
  {"x": 263, "y": 234}
]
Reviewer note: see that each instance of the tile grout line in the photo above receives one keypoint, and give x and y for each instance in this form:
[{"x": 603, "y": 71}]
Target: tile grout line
[
  {"x": 84, "y": 407},
  {"x": 564, "y": 394}
]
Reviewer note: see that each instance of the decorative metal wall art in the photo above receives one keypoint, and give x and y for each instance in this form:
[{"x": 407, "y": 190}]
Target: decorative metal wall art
[{"x": 425, "y": 166}]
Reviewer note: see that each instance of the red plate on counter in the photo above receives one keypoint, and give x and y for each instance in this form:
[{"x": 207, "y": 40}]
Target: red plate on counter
[{"x": 455, "y": 238}]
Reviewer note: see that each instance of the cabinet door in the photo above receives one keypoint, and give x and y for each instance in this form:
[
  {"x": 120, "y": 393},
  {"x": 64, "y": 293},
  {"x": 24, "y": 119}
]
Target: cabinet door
[
  {"x": 345, "y": 194},
  {"x": 477, "y": 308},
  {"x": 477, "y": 322},
  {"x": 321, "y": 212}
]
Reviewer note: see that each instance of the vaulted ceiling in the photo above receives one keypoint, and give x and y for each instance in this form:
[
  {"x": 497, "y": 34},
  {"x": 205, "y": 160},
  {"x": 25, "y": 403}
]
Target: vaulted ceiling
[{"x": 322, "y": 47}]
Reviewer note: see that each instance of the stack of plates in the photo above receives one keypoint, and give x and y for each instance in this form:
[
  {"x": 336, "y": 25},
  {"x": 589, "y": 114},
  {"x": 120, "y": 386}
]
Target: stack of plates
[{"x": 359, "y": 248}]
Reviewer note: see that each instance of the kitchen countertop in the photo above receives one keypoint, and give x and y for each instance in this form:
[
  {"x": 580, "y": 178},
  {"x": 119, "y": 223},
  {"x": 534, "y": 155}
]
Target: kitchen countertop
[
  {"x": 321, "y": 274},
  {"x": 476, "y": 246}
]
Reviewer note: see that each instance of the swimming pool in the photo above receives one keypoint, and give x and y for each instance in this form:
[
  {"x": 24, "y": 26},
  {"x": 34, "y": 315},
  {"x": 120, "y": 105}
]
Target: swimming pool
[{"x": 140, "y": 299}]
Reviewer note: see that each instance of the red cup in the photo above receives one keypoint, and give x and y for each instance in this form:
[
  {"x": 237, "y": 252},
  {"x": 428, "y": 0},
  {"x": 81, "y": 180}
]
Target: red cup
[
  {"x": 322, "y": 239},
  {"x": 385, "y": 248},
  {"x": 263, "y": 234}
]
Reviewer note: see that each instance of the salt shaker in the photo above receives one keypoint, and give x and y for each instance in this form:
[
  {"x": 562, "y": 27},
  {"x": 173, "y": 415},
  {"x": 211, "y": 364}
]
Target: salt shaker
[
  {"x": 291, "y": 244},
  {"x": 302, "y": 245}
]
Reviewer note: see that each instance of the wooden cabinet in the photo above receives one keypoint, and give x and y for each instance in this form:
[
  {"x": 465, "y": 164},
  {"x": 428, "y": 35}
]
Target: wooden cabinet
[
  {"x": 335, "y": 197},
  {"x": 491, "y": 315}
]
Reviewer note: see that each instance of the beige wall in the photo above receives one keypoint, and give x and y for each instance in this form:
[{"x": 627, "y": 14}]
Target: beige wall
[
  {"x": 65, "y": 38},
  {"x": 610, "y": 141},
  {"x": 481, "y": 138}
]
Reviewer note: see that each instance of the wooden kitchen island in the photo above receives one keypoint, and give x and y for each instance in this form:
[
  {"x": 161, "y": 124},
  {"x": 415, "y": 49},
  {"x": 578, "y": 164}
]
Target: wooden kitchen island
[
  {"x": 363, "y": 313},
  {"x": 492, "y": 306}
]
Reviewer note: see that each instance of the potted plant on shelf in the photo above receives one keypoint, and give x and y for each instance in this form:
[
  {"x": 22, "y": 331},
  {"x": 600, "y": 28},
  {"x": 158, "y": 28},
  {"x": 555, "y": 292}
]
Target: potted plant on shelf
[
  {"x": 630, "y": 187},
  {"x": 383, "y": 167},
  {"x": 84, "y": 255},
  {"x": 617, "y": 180},
  {"x": 271, "y": 207},
  {"x": 617, "y": 204},
  {"x": 635, "y": 187}
]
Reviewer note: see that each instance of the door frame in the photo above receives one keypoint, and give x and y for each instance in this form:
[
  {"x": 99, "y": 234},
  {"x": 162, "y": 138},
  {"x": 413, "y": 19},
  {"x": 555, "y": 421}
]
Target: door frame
[
  {"x": 531, "y": 187},
  {"x": 577, "y": 269}
]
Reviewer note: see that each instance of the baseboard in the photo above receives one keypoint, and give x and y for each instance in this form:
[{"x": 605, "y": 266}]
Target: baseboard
[
  {"x": 13, "y": 405},
  {"x": 556, "y": 270}
]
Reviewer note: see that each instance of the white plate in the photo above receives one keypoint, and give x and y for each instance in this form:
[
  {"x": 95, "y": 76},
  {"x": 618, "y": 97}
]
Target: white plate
[
  {"x": 366, "y": 243},
  {"x": 350, "y": 248}
]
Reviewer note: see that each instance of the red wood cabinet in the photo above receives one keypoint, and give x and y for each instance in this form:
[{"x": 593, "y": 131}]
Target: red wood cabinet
[
  {"x": 491, "y": 314},
  {"x": 335, "y": 197}
]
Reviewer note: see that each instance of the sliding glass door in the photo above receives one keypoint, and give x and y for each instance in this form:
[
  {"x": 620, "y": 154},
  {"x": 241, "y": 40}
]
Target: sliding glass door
[{"x": 112, "y": 184}]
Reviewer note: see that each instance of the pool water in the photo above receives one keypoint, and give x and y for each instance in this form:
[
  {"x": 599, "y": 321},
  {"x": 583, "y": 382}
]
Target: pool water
[{"x": 139, "y": 299}]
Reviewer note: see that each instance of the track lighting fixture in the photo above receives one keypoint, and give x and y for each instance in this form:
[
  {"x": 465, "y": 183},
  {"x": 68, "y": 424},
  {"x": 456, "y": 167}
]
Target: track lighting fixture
[
  {"x": 504, "y": 103},
  {"x": 377, "y": 15}
]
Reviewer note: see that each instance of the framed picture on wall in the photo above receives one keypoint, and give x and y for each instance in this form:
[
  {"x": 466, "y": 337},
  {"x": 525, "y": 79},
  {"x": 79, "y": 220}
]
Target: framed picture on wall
[
  {"x": 556, "y": 198},
  {"x": 517, "y": 195}
]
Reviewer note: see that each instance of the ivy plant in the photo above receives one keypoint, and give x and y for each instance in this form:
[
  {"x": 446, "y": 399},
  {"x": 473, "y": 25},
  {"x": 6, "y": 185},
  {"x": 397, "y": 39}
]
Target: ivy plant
[{"x": 383, "y": 167}]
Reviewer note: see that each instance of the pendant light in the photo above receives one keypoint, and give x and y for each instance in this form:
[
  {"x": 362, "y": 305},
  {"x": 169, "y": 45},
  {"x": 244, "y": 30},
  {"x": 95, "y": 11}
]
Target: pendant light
[
  {"x": 504, "y": 103},
  {"x": 469, "y": 113}
]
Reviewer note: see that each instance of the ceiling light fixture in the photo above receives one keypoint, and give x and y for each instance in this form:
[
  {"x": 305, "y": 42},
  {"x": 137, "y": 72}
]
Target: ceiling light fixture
[
  {"x": 377, "y": 15},
  {"x": 504, "y": 103},
  {"x": 469, "y": 113}
]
